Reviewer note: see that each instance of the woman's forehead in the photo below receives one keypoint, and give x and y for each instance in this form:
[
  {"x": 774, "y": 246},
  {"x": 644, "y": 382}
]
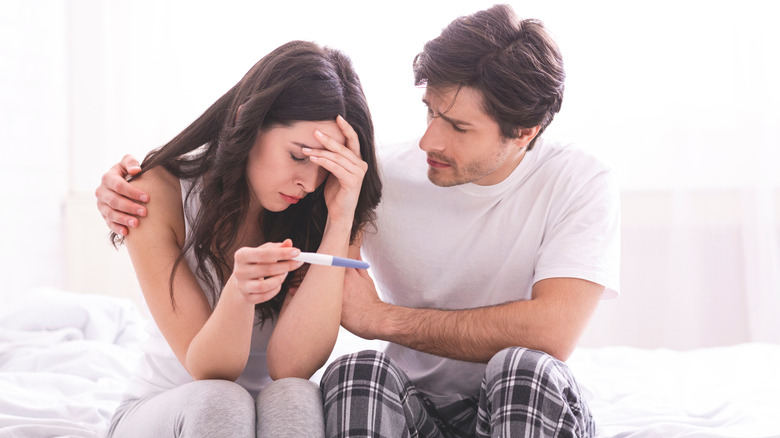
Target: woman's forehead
[{"x": 302, "y": 132}]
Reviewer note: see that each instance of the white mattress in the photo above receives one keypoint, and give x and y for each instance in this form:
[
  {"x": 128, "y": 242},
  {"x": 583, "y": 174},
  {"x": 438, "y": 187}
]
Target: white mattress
[{"x": 64, "y": 358}]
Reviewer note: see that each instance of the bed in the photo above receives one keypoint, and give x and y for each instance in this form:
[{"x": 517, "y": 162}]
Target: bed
[{"x": 64, "y": 358}]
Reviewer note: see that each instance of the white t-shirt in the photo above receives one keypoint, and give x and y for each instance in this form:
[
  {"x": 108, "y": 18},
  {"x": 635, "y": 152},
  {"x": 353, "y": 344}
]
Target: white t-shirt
[{"x": 467, "y": 246}]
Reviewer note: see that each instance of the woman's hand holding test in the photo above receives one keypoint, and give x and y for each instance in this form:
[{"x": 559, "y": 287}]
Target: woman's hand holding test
[{"x": 258, "y": 272}]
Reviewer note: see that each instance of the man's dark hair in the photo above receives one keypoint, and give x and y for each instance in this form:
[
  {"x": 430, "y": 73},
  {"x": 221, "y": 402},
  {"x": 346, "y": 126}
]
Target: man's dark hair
[{"x": 513, "y": 63}]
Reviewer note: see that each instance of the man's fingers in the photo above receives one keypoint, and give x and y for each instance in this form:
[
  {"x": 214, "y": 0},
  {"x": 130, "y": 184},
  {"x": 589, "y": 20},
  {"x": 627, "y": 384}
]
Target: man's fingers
[
  {"x": 112, "y": 216},
  {"x": 116, "y": 228},
  {"x": 116, "y": 184},
  {"x": 130, "y": 164}
]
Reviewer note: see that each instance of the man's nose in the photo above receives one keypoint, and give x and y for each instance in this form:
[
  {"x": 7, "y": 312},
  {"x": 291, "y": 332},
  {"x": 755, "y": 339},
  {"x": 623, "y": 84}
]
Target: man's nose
[{"x": 433, "y": 140}]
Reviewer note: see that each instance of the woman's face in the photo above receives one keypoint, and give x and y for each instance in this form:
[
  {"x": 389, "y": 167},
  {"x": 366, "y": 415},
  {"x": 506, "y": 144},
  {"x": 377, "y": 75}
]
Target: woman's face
[{"x": 277, "y": 171}]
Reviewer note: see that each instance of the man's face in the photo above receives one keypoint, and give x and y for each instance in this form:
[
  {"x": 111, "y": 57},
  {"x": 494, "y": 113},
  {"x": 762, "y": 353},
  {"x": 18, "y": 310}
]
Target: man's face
[{"x": 462, "y": 142}]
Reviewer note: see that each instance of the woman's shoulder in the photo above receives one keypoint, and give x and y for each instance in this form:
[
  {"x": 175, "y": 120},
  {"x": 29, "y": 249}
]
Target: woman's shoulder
[
  {"x": 165, "y": 199},
  {"x": 162, "y": 186},
  {"x": 157, "y": 179}
]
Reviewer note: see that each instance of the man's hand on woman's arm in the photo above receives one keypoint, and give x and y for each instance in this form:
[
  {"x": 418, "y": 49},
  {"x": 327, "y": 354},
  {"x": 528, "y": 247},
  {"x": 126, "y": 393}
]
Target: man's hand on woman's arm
[
  {"x": 118, "y": 201},
  {"x": 552, "y": 321}
]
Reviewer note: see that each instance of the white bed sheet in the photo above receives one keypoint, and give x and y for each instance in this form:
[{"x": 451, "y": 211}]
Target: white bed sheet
[
  {"x": 65, "y": 357},
  {"x": 710, "y": 392},
  {"x": 64, "y": 361}
]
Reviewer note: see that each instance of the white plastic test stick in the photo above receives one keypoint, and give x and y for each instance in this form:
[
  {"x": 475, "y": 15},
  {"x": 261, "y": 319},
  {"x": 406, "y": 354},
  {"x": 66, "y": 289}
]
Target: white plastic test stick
[{"x": 329, "y": 260}]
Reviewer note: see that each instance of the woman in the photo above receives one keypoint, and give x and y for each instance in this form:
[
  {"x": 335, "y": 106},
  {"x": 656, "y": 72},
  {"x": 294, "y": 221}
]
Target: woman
[{"x": 271, "y": 169}]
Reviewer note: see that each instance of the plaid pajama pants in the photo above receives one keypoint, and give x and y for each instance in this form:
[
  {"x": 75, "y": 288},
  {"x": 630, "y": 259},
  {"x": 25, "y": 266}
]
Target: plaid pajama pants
[{"x": 524, "y": 393}]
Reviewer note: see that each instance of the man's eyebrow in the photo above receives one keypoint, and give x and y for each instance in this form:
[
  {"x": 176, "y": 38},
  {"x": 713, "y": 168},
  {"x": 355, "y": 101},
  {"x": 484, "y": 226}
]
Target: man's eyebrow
[{"x": 447, "y": 119}]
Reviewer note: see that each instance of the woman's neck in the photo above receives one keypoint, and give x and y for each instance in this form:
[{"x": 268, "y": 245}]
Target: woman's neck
[{"x": 250, "y": 231}]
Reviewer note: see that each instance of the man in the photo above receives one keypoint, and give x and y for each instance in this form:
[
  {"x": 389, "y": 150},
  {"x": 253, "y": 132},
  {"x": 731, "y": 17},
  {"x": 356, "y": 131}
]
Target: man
[{"x": 490, "y": 274}]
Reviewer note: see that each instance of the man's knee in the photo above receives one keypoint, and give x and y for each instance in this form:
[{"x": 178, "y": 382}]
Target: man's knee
[
  {"x": 365, "y": 365},
  {"x": 521, "y": 360}
]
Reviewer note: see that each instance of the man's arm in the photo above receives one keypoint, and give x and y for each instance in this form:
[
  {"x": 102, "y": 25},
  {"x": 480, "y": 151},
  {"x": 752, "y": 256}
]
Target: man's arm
[
  {"x": 552, "y": 321},
  {"x": 118, "y": 201}
]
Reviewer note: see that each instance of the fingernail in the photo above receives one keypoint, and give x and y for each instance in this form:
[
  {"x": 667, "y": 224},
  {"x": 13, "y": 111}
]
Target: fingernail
[
  {"x": 306, "y": 150},
  {"x": 132, "y": 223},
  {"x": 295, "y": 252},
  {"x": 123, "y": 232},
  {"x": 141, "y": 212},
  {"x": 318, "y": 133},
  {"x": 144, "y": 198}
]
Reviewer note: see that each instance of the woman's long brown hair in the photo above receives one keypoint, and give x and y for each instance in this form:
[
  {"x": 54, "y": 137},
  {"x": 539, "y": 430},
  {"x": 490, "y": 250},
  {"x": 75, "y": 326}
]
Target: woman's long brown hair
[{"x": 299, "y": 81}]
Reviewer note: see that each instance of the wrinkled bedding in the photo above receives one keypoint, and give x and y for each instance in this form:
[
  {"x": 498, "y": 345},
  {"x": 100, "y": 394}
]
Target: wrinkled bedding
[
  {"x": 65, "y": 357},
  {"x": 64, "y": 360}
]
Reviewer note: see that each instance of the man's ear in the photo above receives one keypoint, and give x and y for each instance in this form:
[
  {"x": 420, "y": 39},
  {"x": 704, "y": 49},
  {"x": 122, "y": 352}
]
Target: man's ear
[{"x": 526, "y": 136}]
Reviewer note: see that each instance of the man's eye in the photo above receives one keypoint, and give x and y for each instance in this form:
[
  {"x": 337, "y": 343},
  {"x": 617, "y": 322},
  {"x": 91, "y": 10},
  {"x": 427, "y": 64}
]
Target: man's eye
[
  {"x": 296, "y": 159},
  {"x": 455, "y": 127}
]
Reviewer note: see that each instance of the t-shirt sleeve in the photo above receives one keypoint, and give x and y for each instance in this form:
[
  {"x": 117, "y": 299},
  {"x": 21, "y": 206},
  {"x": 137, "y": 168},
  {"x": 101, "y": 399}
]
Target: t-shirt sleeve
[{"x": 582, "y": 236}]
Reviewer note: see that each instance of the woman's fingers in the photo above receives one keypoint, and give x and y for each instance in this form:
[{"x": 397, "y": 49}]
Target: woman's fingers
[
  {"x": 339, "y": 165},
  {"x": 264, "y": 286},
  {"x": 337, "y": 158},
  {"x": 353, "y": 142},
  {"x": 259, "y": 272}
]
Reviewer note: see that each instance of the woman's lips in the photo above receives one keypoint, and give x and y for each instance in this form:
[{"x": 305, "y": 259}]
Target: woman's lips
[
  {"x": 437, "y": 164},
  {"x": 290, "y": 199}
]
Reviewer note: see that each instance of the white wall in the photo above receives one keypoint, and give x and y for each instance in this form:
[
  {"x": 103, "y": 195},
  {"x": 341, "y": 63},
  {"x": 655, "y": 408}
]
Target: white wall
[
  {"x": 33, "y": 138},
  {"x": 689, "y": 283},
  {"x": 682, "y": 98}
]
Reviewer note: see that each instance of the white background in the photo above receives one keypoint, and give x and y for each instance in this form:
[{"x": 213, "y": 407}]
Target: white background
[{"x": 680, "y": 97}]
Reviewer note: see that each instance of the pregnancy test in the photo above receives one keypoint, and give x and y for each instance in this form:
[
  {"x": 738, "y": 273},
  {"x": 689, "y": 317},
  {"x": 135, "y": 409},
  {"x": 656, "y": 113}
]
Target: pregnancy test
[{"x": 329, "y": 260}]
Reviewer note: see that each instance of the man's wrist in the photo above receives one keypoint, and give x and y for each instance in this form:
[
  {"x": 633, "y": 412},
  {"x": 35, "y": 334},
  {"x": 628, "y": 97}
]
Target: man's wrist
[{"x": 387, "y": 323}]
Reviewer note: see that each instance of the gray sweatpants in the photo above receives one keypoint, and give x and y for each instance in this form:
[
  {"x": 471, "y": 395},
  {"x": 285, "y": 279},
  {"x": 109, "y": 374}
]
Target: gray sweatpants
[{"x": 220, "y": 408}]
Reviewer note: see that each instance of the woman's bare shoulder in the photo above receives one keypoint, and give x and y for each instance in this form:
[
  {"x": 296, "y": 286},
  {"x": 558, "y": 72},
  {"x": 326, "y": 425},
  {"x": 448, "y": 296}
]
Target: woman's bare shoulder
[
  {"x": 164, "y": 208},
  {"x": 158, "y": 179}
]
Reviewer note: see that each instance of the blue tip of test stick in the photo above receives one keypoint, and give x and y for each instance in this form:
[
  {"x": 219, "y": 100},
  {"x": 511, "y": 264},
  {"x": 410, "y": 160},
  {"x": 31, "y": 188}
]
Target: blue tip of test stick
[{"x": 349, "y": 263}]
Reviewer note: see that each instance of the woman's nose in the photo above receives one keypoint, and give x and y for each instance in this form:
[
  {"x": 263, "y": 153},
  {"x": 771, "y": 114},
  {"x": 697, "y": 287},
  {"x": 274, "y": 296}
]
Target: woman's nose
[{"x": 310, "y": 179}]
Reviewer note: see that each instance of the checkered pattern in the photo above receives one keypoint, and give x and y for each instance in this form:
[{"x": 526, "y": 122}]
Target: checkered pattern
[
  {"x": 524, "y": 393},
  {"x": 531, "y": 394}
]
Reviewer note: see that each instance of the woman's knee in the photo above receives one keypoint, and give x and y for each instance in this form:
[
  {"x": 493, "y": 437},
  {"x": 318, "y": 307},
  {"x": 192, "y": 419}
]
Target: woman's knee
[
  {"x": 293, "y": 393},
  {"x": 221, "y": 395},
  {"x": 214, "y": 407},
  {"x": 290, "y": 407}
]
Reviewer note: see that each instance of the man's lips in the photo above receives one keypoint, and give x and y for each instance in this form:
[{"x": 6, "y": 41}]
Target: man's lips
[
  {"x": 290, "y": 199},
  {"x": 437, "y": 164}
]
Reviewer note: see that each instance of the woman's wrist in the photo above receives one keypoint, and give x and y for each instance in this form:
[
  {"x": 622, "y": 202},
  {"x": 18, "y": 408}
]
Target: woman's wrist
[{"x": 339, "y": 224}]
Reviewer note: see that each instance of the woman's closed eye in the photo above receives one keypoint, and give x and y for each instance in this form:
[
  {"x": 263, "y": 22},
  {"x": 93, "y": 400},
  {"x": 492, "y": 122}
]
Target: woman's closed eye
[{"x": 298, "y": 159}]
